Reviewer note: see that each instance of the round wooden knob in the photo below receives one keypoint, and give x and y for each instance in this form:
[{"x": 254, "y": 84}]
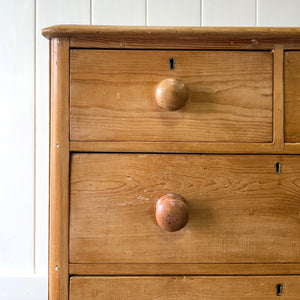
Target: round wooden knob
[
  {"x": 171, "y": 94},
  {"x": 172, "y": 213}
]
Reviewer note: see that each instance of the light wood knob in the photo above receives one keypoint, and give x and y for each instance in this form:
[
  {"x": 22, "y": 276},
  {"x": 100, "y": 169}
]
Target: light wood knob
[
  {"x": 172, "y": 213},
  {"x": 171, "y": 94}
]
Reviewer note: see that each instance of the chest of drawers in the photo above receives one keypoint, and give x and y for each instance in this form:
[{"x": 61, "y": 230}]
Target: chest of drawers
[{"x": 174, "y": 163}]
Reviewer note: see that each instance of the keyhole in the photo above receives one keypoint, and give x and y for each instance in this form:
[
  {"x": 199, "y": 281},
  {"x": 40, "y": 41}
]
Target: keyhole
[
  {"x": 172, "y": 62},
  {"x": 278, "y": 167},
  {"x": 279, "y": 288}
]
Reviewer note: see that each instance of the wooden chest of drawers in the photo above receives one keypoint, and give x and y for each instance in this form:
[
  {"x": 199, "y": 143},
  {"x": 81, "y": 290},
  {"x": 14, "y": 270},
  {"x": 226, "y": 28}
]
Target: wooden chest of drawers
[{"x": 174, "y": 163}]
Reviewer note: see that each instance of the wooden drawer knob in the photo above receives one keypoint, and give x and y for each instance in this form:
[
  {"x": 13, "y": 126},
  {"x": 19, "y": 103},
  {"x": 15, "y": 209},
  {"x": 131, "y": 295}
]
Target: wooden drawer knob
[
  {"x": 171, "y": 94},
  {"x": 172, "y": 213}
]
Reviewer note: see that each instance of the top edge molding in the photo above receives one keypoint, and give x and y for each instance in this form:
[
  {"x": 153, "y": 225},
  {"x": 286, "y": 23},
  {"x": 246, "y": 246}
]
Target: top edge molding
[{"x": 148, "y": 32}]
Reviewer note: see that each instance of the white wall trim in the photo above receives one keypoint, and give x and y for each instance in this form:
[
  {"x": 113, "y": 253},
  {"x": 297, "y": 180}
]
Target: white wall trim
[{"x": 23, "y": 288}]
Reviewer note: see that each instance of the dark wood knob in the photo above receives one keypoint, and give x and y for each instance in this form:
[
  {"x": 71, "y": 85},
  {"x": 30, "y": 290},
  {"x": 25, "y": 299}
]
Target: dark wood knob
[
  {"x": 171, "y": 94},
  {"x": 172, "y": 213}
]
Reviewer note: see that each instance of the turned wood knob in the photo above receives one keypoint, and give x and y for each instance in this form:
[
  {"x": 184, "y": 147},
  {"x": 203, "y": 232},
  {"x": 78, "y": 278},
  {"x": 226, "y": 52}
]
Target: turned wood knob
[
  {"x": 172, "y": 213},
  {"x": 171, "y": 94}
]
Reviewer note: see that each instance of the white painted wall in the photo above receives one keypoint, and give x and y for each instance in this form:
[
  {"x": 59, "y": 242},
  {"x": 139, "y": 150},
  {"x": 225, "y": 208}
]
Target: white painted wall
[{"x": 24, "y": 114}]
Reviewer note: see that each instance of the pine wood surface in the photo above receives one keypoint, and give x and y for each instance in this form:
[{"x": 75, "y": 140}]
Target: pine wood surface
[
  {"x": 292, "y": 96},
  {"x": 278, "y": 98},
  {"x": 146, "y": 32},
  {"x": 244, "y": 218},
  {"x": 184, "y": 287},
  {"x": 59, "y": 171},
  {"x": 241, "y": 211},
  {"x": 123, "y": 42},
  {"x": 184, "y": 269},
  {"x": 147, "y": 37},
  {"x": 185, "y": 147},
  {"x": 112, "y": 96}
]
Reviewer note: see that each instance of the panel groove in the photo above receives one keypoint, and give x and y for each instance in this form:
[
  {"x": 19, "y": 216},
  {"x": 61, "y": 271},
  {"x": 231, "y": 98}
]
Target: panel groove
[
  {"x": 146, "y": 12},
  {"x": 91, "y": 12},
  {"x": 201, "y": 13},
  {"x": 256, "y": 13},
  {"x": 34, "y": 163}
]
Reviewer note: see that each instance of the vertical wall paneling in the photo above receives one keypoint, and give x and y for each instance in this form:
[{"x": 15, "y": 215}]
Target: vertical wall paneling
[
  {"x": 118, "y": 12},
  {"x": 17, "y": 137},
  {"x": 256, "y": 12},
  {"x": 23, "y": 288},
  {"x": 173, "y": 13},
  {"x": 278, "y": 12},
  {"x": 91, "y": 12},
  {"x": 201, "y": 12},
  {"x": 48, "y": 13},
  {"x": 228, "y": 13}
]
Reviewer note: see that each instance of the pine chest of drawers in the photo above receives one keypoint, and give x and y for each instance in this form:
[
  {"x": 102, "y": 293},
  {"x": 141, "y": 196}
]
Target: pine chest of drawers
[{"x": 174, "y": 163}]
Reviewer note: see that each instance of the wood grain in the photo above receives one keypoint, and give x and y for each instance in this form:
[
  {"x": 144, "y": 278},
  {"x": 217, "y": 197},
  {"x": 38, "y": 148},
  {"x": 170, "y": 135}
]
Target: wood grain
[
  {"x": 278, "y": 96},
  {"x": 171, "y": 94},
  {"x": 184, "y": 147},
  {"x": 112, "y": 96},
  {"x": 122, "y": 42},
  {"x": 171, "y": 212},
  {"x": 117, "y": 37},
  {"x": 241, "y": 211},
  {"x": 184, "y": 287},
  {"x": 244, "y": 218},
  {"x": 292, "y": 148},
  {"x": 184, "y": 269},
  {"x": 59, "y": 171},
  {"x": 292, "y": 96},
  {"x": 148, "y": 32}
]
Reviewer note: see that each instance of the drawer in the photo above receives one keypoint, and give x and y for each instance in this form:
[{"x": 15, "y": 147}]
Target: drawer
[
  {"x": 185, "y": 287},
  {"x": 243, "y": 208},
  {"x": 292, "y": 96},
  {"x": 226, "y": 96}
]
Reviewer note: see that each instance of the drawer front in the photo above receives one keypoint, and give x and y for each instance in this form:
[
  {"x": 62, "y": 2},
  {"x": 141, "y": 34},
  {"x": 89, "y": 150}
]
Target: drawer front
[
  {"x": 292, "y": 96},
  {"x": 113, "y": 95},
  {"x": 241, "y": 209},
  {"x": 185, "y": 287}
]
